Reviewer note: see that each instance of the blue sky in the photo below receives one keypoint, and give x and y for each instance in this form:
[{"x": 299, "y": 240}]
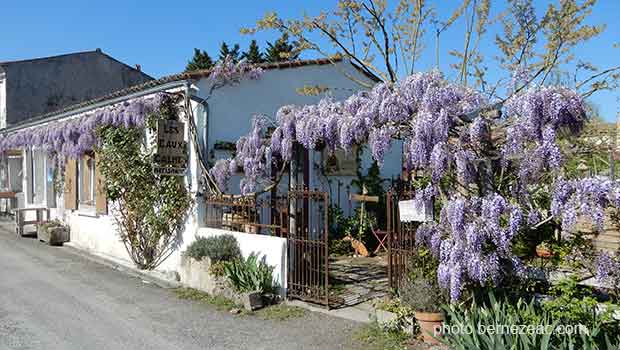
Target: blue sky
[{"x": 161, "y": 35}]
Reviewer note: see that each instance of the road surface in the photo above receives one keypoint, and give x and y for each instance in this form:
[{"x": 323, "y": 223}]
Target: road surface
[{"x": 53, "y": 299}]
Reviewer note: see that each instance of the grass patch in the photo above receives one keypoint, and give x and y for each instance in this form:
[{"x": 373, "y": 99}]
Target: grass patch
[
  {"x": 220, "y": 303},
  {"x": 280, "y": 312},
  {"x": 373, "y": 337}
]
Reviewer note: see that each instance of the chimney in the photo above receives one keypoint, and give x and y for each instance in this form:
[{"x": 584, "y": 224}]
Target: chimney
[{"x": 138, "y": 68}]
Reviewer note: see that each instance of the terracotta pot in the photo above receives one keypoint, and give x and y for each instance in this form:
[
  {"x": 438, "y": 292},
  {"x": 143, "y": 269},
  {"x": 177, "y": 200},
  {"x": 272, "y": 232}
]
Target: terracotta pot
[
  {"x": 430, "y": 325},
  {"x": 543, "y": 252}
]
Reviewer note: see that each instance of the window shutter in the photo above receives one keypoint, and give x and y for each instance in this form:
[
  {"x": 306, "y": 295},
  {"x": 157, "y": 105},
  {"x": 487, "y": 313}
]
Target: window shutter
[
  {"x": 101, "y": 201},
  {"x": 70, "y": 192}
]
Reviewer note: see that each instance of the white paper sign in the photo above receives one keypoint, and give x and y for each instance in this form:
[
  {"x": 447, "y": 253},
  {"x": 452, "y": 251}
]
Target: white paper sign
[{"x": 415, "y": 210}]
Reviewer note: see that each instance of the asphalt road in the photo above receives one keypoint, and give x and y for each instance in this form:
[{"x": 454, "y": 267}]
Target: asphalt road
[{"x": 53, "y": 299}]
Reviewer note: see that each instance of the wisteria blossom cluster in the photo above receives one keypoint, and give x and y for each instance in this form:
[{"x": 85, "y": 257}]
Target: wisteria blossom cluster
[
  {"x": 249, "y": 152},
  {"x": 472, "y": 241},
  {"x": 587, "y": 197},
  {"x": 608, "y": 271},
  {"x": 229, "y": 72},
  {"x": 450, "y": 132},
  {"x": 71, "y": 138},
  {"x": 375, "y": 117},
  {"x": 537, "y": 115}
]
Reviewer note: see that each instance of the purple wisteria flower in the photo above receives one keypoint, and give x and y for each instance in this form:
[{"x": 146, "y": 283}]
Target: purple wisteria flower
[
  {"x": 71, "y": 138},
  {"x": 473, "y": 241}
]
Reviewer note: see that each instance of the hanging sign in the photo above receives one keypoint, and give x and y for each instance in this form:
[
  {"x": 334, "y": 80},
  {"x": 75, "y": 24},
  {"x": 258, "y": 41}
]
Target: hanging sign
[
  {"x": 415, "y": 210},
  {"x": 171, "y": 152}
]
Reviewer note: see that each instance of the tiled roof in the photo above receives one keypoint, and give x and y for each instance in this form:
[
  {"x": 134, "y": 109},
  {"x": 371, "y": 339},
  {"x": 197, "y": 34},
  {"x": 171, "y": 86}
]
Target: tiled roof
[{"x": 178, "y": 77}]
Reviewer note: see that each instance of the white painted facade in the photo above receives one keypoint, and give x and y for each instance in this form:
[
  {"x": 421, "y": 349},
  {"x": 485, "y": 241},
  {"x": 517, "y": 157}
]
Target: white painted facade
[{"x": 225, "y": 117}]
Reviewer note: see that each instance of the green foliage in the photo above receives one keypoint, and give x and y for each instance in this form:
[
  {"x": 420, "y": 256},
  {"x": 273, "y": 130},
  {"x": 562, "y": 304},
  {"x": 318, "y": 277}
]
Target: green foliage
[
  {"x": 226, "y": 51},
  {"x": 404, "y": 319},
  {"x": 280, "y": 312},
  {"x": 281, "y": 50},
  {"x": 422, "y": 294},
  {"x": 574, "y": 304},
  {"x": 150, "y": 209},
  {"x": 250, "y": 275},
  {"x": 524, "y": 326},
  {"x": 253, "y": 55},
  {"x": 201, "y": 60},
  {"x": 219, "y": 302},
  {"x": 217, "y": 248},
  {"x": 340, "y": 247},
  {"x": 374, "y": 337},
  {"x": 501, "y": 313},
  {"x": 52, "y": 223}
]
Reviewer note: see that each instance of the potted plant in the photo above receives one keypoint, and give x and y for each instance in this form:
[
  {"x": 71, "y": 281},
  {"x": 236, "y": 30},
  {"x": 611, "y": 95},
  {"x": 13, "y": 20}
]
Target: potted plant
[
  {"x": 543, "y": 250},
  {"x": 53, "y": 233},
  {"x": 425, "y": 297}
]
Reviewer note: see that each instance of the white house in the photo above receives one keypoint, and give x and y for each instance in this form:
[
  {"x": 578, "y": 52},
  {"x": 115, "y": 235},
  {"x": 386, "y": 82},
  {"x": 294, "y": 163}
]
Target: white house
[{"x": 220, "y": 119}]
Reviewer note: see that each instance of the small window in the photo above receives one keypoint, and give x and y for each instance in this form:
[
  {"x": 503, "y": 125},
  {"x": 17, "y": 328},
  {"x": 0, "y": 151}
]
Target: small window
[
  {"x": 36, "y": 183},
  {"x": 86, "y": 183},
  {"x": 14, "y": 175}
]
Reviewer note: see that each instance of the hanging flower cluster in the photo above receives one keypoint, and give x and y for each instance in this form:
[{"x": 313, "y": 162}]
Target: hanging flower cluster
[
  {"x": 448, "y": 133},
  {"x": 587, "y": 197},
  {"x": 472, "y": 241},
  {"x": 71, "y": 138},
  {"x": 608, "y": 270},
  {"x": 376, "y": 116}
]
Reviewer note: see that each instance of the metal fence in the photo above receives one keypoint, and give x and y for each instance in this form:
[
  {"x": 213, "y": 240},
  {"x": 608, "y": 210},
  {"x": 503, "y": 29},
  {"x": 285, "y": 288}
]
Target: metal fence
[{"x": 251, "y": 214}]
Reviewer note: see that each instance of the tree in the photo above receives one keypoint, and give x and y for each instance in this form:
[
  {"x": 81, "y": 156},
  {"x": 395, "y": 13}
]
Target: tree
[
  {"x": 253, "y": 55},
  {"x": 281, "y": 50},
  {"x": 226, "y": 51},
  {"x": 201, "y": 60},
  {"x": 386, "y": 40}
]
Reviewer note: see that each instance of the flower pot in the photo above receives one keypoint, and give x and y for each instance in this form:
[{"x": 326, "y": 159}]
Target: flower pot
[
  {"x": 53, "y": 235},
  {"x": 543, "y": 252},
  {"x": 430, "y": 325},
  {"x": 252, "y": 301}
]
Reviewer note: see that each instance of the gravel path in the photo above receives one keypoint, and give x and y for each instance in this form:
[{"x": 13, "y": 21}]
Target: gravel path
[{"x": 52, "y": 299}]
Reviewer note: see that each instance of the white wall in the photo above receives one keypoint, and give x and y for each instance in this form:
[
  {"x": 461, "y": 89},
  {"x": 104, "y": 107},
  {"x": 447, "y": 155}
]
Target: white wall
[
  {"x": 231, "y": 109},
  {"x": 273, "y": 248},
  {"x": 230, "y": 112},
  {"x": 3, "y": 120}
]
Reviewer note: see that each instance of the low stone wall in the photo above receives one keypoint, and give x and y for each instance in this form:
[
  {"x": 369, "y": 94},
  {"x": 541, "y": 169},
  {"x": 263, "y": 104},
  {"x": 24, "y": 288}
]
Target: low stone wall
[
  {"x": 195, "y": 274},
  {"x": 273, "y": 248}
]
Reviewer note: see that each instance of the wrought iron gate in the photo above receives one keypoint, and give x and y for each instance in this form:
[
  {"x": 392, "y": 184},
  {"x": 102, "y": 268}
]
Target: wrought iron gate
[
  {"x": 308, "y": 257},
  {"x": 401, "y": 236}
]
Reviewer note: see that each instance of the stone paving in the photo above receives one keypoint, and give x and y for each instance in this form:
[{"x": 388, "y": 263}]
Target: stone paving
[{"x": 354, "y": 280}]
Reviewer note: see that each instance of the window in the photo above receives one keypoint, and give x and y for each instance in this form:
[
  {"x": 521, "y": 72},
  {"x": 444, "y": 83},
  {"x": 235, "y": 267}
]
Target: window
[
  {"x": 15, "y": 163},
  {"x": 86, "y": 183},
  {"x": 340, "y": 163},
  {"x": 36, "y": 180}
]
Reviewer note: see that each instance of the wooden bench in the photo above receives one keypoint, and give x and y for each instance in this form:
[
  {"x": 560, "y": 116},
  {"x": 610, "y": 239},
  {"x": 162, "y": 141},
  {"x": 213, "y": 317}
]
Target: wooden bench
[{"x": 20, "y": 218}]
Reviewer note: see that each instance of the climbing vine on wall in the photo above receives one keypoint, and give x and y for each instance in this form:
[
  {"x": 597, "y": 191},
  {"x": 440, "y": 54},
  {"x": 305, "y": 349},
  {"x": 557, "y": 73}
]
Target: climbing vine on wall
[{"x": 150, "y": 209}]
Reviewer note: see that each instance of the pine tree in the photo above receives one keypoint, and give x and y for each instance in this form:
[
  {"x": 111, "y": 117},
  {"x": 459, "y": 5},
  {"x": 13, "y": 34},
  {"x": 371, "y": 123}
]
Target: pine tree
[
  {"x": 201, "y": 60},
  {"x": 253, "y": 55},
  {"x": 281, "y": 50},
  {"x": 226, "y": 51}
]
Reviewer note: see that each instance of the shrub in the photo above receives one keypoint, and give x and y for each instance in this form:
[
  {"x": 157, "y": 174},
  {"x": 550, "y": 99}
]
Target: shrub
[
  {"x": 542, "y": 332},
  {"x": 421, "y": 294},
  {"x": 250, "y": 275},
  {"x": 218, "y": 248}
]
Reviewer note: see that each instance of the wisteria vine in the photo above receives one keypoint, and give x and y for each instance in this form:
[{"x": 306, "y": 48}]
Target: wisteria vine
[
  {"x": 73, "y": 137},
  {"x": 494, "y": 154}
]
